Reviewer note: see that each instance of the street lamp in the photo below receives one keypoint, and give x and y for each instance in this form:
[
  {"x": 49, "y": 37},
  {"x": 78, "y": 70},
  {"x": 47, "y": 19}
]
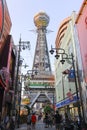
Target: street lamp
[
  {"x": 63, "y": 86},
  {"x": 22, "y": 45},
  {"x": 65, "y": 56},
  {"x": 53, "y": 102},
  {"x": 21, "y": 78},
  {"x": 19, "y": 100}
]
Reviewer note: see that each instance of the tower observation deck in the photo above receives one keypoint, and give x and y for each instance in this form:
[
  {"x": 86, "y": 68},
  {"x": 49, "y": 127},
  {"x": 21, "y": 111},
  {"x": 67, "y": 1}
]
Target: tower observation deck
[{"x": 44, "y": 78}]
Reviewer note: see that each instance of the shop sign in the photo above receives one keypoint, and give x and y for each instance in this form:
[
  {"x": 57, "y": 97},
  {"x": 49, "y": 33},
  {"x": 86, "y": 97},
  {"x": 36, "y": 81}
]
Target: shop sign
[{"x": 67, "y": 102}]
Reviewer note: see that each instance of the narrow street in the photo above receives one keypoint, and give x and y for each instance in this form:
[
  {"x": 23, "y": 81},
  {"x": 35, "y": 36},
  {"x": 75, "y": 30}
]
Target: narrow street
[
  {"x": 43, "y": 78},
  {"x": 39, "y": 126}
]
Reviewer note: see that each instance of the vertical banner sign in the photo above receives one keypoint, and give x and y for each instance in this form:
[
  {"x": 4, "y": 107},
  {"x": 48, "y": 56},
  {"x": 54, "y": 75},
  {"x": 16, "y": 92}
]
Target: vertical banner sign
[
  {"x": 1, "y": 17},
  {"x": 71, "y": 76}
]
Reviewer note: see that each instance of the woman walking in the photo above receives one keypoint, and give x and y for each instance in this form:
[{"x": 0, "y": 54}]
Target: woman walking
[{"x": 33, "y": 120}]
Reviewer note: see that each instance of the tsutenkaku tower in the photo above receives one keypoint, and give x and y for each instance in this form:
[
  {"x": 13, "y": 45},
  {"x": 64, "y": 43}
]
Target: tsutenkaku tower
[
  {"x": 41, "y": 86},
  {"x": 41, "y": 59}
]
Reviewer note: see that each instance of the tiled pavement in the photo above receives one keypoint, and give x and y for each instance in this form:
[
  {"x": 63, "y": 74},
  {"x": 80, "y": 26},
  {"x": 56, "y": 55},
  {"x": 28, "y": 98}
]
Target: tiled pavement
[{"x": 39, "y": 126}]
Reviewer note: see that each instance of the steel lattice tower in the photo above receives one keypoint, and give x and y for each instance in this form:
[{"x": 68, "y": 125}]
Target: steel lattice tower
[
  {"x": 41, "y": 86},
  {"x": 41, "y": 59}
]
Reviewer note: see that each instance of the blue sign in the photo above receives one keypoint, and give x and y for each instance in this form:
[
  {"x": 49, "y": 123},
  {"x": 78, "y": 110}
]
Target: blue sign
[
  {"x": 66, "y": 102},
  {"x": 71, "y": 74}
]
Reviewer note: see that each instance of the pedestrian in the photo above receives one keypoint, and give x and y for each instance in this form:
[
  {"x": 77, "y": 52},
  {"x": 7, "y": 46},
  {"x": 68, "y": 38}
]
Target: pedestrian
[
  {"x": 46, "y": 120},
  {"x": 6, "y": 122},
  {"x": 12, "y": 124},
  {"x": 58, "y": 119},
  {"x": 50, "y": 120},
  {"x": 33, "y": 120},
  {"x": 1, "y": 126},
  {"x": 68, "y": 123},
  {"x": 84, "y": 126},
  {"x": 29, "y": 121}
]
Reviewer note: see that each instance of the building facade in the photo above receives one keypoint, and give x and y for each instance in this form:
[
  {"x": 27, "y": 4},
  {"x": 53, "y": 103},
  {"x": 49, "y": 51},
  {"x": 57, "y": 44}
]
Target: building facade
[
  {"x": 66, "y": 88},
  {"x": 7, "y": 61},
  {"x": 81, "y": 28}
]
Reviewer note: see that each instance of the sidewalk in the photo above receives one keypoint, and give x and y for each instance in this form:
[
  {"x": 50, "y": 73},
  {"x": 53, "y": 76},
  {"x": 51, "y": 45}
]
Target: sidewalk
[{"x": 39, "y": 126}]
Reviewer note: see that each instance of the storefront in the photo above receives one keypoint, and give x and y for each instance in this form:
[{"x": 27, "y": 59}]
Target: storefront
[
  {"x": 69, "y": 106},
  {"x": 5, "y": 95}
]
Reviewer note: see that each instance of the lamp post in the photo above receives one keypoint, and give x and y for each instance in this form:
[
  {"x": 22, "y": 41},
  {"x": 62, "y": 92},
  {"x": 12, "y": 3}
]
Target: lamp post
[
  {"x": 64, "y": 57},
  {"x": 21, "y": 78},
  {"x": 63, "y": 86},
  {"x": 19, "y": 100},
  {"x": 22, "y": 45},
  {"x": 53, "y": 102}
]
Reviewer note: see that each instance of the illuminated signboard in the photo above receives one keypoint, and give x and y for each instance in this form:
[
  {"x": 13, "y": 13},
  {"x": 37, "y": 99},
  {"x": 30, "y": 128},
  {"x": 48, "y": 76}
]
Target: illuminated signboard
[
  {"x": 1, "y": 17},
  {"x": 25, "y": 101}
]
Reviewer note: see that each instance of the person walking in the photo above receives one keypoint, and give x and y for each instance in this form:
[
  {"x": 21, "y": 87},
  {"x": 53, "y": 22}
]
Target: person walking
[
  {"x": 29, "y": 122},
  {"x": 1, "y": 124},
  {"x": 33, "y": 120},
  {"x": 58, "y": 119},
  {"x": 68, "y": 123},
  {"x": 46, "y": 120},
  {"x": 50, "y": 120},
  {"x": 7, "y": 122},
  {"x": 12, "y": 124}
]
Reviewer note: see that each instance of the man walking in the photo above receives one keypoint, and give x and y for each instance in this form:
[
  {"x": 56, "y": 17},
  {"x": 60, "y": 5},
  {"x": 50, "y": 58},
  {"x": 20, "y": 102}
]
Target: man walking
[
  {"x": 29, "y": 122},
  {"x": 58, "y": 119}
]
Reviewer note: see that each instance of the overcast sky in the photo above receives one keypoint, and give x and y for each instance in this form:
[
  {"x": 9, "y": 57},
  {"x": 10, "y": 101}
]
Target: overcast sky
[{"x": 22, "y": 13}]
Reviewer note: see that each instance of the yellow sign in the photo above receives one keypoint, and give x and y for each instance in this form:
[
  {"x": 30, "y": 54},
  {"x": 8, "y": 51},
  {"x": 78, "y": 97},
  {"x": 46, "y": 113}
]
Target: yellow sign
[{"x": 25, "y": 101}]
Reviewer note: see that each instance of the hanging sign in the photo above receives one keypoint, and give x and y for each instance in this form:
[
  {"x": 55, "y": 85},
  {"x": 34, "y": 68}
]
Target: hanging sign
[{"x": 71, "y": 75}]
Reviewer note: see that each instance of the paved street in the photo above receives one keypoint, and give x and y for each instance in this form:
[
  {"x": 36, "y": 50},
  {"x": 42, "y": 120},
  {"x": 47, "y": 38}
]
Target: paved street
[{"x": 39, "y": 126}]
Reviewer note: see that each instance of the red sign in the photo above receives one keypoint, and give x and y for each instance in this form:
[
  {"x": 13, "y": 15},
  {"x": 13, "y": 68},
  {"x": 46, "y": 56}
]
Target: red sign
[
  {"x": 1, "y": 16},
  {"x": 69, "y": 94}
]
